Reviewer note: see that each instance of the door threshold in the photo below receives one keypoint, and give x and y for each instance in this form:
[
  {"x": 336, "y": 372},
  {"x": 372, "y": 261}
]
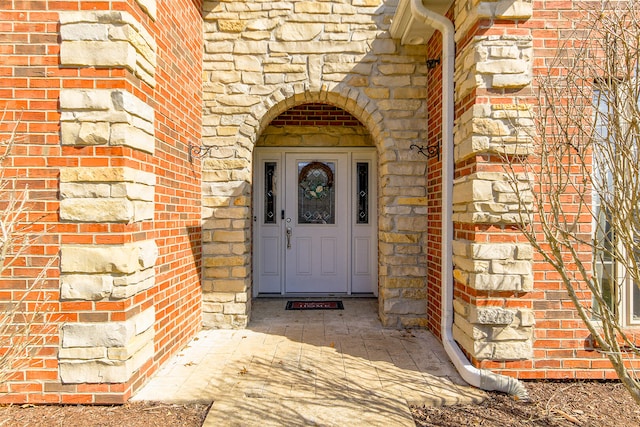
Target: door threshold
[{"x": 317, "y": 295}]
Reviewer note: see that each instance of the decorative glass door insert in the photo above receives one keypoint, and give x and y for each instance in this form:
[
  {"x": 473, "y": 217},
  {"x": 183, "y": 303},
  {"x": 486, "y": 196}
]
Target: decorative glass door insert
[{"x": 316, "y": 193}]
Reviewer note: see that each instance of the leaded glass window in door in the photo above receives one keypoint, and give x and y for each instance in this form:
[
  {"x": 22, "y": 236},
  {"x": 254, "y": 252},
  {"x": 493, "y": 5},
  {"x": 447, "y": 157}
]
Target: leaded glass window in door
[
  {"x": 362, "y": 190},
  {"x": 316, "y": 193},
  {"x": 270, "y": 169}
]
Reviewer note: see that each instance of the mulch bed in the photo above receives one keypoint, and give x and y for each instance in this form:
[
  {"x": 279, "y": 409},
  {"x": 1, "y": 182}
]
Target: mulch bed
[
  {"x": 133, "y": 414},
  {"x": 553, "y": 404},
  {"x": 562, "y": 404}
]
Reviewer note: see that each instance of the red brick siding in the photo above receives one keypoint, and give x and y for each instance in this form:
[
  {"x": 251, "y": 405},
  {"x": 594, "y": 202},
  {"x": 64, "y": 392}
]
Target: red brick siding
[
  {"x": 30, "y": 83},
  {"x": 434, "y": 188},
  {"x": 561, "y": 348},
  {"x": 315, "y": 115}
]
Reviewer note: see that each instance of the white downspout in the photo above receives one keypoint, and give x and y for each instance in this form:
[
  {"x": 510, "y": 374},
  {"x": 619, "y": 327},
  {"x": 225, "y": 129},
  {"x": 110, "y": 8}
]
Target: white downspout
[{"x": 481, "y": 378}]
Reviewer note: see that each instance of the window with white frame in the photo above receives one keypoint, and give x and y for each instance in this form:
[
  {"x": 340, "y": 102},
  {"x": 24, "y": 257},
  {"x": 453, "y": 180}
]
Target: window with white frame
[{"x": 616, "y": 202}]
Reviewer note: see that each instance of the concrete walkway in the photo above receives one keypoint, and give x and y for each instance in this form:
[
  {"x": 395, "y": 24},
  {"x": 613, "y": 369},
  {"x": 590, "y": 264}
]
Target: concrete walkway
[{"x": 311, "y": 368}]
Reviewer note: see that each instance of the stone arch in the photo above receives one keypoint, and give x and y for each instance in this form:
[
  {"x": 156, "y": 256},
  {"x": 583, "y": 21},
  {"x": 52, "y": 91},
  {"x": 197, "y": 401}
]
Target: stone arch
[
  {"x": 351, "y": 100},
  {"x": 227, "y": 239}
]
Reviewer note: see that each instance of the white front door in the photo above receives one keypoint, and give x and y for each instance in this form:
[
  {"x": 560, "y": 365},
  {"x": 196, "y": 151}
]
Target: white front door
[
  {"x": 316, "y": 207},
  {"x": 315, "y": 222}
]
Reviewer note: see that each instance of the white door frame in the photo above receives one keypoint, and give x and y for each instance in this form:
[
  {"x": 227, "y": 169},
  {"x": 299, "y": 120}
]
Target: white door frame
[{"x": 268, "y": 248}]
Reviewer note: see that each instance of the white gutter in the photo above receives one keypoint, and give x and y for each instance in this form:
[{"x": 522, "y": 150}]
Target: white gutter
[{"x": 481, "y": 378}]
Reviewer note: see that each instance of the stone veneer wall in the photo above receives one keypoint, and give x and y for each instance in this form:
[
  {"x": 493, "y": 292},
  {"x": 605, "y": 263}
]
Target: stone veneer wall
[
  {"x": 264, "y": 58},
  {"x": 110, "y": 92}
]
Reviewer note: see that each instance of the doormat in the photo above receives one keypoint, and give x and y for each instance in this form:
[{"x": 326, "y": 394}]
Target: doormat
[{"x": 314, "y": 305}]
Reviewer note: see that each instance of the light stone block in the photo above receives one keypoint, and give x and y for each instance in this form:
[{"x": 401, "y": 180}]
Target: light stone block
[
  {"x": 471, "y": 265},
  {"x": 131, "y": 191},
  {"x": 129, "y": 136},
  {"x": 234, "y": 308},
  {"x": 104, "y": 370},
  {"x": 85, "y": 99},
  {"x": 496, "y": 282},
  {"x": 106, "y": 174},
  {"x": 404, "y": 306},
  {"x": 123, "y": 291},
  {"x": 511, "y": 81},
  {"x": 492, "y": 251},
  {"x": 90, "y": 134},
  {"x": 212, "y": 307},
  {"x": 144, "y": 321},
  {"x": 113, "y": 334},
  {"x": 313, "y": 47},
  {"x": 227, "y": 189},
  {"x": 125, "y": 101},
  {"x": 99, "y": 259},
  {"x": 232, "y": 25},
  {"x": 475, "y": 332},
  {"x": 508, "y": 333},
  {"x": 298, "y": 31},
  {"x": 312, "y": 7},
  {"x": 143, "y": 211},
  {"x": 219, "y": 297},
  {"x": 526, "y": 317},
  {"x": 85, "y": 287},
  {"x": 93, "y": 32},
  {"x": 247, "y": 63},
  {"x": 490, "y": 315},
  {"x": 96, "y": 210},
  {"x": 98, "y": 54},
  {"x": 82, "y": 353},
  {"x": 511, "y": 267},
  {"x": 471, "y": 190},
  {"x": 502, "y": 66},
  {"x": 150, "y": 7},
  {"x": 70, "y": 190}
]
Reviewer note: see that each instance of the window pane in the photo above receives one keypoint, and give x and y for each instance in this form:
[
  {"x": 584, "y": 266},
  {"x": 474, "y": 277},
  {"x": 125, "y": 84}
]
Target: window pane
[
  {"x": 635, "y": 303},
  {"x": 270, "y": 169},
  {"x": 362, "y": 195},
  {"x": 604, "y": 264},
  {"x": 316, "y": 193}
]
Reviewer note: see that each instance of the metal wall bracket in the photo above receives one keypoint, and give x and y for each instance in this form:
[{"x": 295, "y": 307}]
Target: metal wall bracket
[
  {"x": 199, "y": 151},
  {"x": 428, "y": 151}
]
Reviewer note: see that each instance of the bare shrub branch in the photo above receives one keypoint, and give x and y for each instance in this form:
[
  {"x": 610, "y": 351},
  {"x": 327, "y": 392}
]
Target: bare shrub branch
[{"x": 20, "y": 311}]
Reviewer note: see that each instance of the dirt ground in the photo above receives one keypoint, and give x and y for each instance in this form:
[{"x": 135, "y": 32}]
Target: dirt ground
[
  {"x": 135, "y": 414},
  {"x": 585, "y": 404},
  {"x": 562, "y": 404}
]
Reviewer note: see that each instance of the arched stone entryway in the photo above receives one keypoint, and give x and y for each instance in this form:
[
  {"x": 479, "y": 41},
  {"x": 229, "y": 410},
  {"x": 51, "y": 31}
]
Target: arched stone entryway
[{"x": 228, "y": 242}]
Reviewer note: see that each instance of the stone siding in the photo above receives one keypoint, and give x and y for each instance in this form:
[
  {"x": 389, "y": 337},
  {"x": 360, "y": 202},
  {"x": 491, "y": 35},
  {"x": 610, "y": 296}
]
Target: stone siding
[
  {"x": 107, "y": 97},
  {"x": 262, "y": 59},
  {"x": 106, "y": 117},
  {"x": 108, "y": 39},
  {"x": 106, "y": 352}
]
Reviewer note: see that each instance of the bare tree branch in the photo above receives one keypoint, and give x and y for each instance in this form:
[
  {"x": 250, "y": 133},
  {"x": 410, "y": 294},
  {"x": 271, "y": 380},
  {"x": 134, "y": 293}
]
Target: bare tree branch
[
  {"x": 585, "y": 169},
  {"x": 20, "y": 339}
]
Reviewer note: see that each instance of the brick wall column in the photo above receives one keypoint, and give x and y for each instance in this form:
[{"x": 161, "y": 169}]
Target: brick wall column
[
  {"x": 493, "y": 263},
  {"x": 107, "y": 346}
]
